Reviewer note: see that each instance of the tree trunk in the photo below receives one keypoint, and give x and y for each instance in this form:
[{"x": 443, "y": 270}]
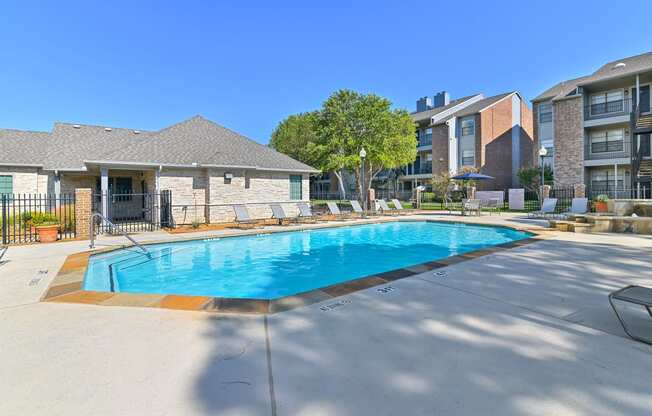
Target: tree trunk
[{"x": 340, "y": 183}]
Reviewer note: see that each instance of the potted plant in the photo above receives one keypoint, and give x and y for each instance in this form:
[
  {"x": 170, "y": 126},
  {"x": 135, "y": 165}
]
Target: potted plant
[
  {"x": 46, "y": 225},
  {"x": 600, "y": 203}
]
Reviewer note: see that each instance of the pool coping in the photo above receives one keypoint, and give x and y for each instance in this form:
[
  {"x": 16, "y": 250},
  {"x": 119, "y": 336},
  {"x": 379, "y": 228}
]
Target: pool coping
[{"x": 66, "y": 287}]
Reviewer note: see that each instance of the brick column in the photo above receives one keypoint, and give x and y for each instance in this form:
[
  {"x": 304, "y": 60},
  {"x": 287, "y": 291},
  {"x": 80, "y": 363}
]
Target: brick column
[
  {"x": 83, "y": 208},
  {"x": 545, "y": 191},
  {"x": 579, "y": 189}
]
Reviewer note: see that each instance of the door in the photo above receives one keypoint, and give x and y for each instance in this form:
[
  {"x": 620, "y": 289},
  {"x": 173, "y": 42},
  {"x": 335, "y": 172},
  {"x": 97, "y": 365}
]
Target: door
[{"x": 644, "y": 100}]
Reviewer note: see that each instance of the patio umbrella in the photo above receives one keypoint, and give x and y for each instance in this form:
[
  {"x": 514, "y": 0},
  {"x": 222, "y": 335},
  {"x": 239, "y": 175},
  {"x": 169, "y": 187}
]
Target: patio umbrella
[{"x": 472, "y": 176}]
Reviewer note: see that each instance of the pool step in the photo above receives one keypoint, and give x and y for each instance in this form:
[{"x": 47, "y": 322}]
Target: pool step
[{"x": 576, "y": 226}]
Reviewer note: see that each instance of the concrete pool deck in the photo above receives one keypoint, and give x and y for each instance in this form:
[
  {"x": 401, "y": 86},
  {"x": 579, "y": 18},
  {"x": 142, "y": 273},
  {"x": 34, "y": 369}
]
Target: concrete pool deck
[{"x": 526, "y": 331}]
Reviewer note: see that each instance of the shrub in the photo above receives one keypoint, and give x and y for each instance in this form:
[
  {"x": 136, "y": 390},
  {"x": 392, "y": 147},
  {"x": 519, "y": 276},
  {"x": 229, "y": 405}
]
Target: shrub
[{"x": 602, "y": 198}]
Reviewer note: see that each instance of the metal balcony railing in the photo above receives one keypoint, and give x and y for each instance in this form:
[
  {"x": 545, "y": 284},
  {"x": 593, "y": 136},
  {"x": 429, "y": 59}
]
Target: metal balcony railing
[
  {"x": 420, "y": 169},
  {"x": 607, "y": 109},
  {"x": 613, "y": 149}
]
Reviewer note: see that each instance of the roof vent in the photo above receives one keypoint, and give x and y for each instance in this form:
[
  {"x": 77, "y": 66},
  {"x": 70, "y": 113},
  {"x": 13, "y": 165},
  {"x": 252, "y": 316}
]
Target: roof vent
[
  {"x": 619, "y": 65},
  {"x": 76, "y": 126},
  {"x": 136, "y": 131},
  {"x": 107, "y": 129}
]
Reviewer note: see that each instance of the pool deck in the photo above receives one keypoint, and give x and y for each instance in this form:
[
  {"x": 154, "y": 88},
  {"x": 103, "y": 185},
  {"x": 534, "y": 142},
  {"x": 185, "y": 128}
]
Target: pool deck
[{"x": 525, "y": 331}]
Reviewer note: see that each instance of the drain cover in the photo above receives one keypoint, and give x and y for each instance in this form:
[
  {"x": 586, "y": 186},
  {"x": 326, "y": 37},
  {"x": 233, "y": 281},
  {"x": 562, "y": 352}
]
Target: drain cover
[{"x": 335, "y": 305}]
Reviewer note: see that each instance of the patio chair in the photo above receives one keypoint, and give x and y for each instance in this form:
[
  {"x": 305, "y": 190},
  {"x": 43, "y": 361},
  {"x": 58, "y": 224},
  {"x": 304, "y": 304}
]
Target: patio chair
[
  {"x": 399, "y": 207},
  {"x": 579, "y": 206},
  {"x": 357, "y": 208},
  {"x": 335, "y": 211},
  {"x": 471, "y": 206},
  {"x": 385, "y": 209},
  {"x": 491, "y": 205},
  {"x": 305, "y": 213},
  {"x": 548, "y": 208},
  {"x": 279, "y": 213},
  {"x": 637, "y": 295},
  {"x": 242, "y": 217}
]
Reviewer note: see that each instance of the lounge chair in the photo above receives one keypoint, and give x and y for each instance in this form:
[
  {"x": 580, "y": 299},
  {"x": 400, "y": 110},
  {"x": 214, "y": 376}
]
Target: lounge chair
[
  {"x": 305, "y": 213},
  {"x": 637, "y": 295},
  {"x": 242, "y": 217},
  {"x": 472, "y": 206},
  {"x": 579, "y": 206},
  {"x": 279, "y": 213},
  {"x": 399, "y": 207},
  {"x": 3, "y": 251},
  {"x": 548, "y": 208},
  {"x": 335, "y": 211},
  {"x": 490, "y": 205},
  {"x": 385, "y": 209}
]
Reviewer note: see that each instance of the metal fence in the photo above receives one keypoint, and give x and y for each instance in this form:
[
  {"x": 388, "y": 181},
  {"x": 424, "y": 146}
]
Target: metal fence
[
  {"x": 20, "y": 214},
  {"x": 642, "y": 192},
  {"x": 133, "y": 212},
  {"x": 380, "y": 194}
]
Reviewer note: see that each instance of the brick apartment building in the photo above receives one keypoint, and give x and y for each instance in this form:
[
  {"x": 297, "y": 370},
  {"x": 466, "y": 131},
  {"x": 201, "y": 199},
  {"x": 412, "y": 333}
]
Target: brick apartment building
[
  {"x": 492, "y": 134},
  {"x": 597, "y": 128}
]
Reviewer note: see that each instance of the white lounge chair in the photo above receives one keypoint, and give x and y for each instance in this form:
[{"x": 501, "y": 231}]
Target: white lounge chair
[
  {"x": 385, "y": 209},
  {"x": 357, "y": 208},
  {"x": 279, "y": 213},
  {"x": 305, "y": 213},
  {"x": 242, "y": 217},
  {"x": 637, "y": 295},
  {"x": 548, "y": 208},
  {"x": 579, "y": 206},
  {"x": 335, "y": 211},
  {"x": 399, "y": 207}
]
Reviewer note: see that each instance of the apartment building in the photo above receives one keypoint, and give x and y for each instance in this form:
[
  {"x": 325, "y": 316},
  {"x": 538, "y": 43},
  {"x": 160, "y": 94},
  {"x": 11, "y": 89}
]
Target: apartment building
[
  {"x": 597, "y": 128},
  {"x": 492, "y": 134}
]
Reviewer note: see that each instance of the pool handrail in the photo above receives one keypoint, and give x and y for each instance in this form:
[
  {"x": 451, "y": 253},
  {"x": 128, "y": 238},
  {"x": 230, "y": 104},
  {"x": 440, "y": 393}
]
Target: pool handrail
[{"x": 113, "y": 226}]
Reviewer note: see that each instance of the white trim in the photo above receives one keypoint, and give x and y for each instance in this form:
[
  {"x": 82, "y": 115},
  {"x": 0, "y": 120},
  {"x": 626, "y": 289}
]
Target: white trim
[
  {"x": 437, "y": 118},
  {"x": 197, "y": 166},
  {"x": 21, "y": 165},
  {"x": 507, "y": 96}
]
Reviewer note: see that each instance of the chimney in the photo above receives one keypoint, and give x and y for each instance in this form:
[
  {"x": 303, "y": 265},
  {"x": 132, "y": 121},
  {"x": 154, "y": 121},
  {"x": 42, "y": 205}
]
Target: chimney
[
  {"x": 424, "y": 103},
  {"x": 441, "y": 99}
]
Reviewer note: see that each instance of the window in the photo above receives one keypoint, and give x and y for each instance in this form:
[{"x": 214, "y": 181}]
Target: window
[
  {"x": 607, "y": 141},
  {"x": 425, "y": 137},
  {"x": 604, "y": 179},
  {"x": 468, "y": 158},
  {"x": 429, "y": 157},
  {"x": 607, "y": 102},
  {"x": 295, "y": 187},
  {"x": 6, "y": 184},
  {"x": 468, "y": 127},
  {"x": 545, "y": 113}
]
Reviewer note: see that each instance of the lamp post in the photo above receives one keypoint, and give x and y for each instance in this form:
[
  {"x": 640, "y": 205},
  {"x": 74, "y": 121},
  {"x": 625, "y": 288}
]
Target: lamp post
[
  {"x": 363, "y": 154},
  {"x": 542, "y": 153}
]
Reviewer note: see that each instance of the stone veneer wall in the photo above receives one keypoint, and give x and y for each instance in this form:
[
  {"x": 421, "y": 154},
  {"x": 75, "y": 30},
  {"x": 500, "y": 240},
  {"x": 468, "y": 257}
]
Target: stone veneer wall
[
  {"x": 568, "y": 141},
  {"x": 202, "y": 195},
  {"x": 26, "y": 180}
]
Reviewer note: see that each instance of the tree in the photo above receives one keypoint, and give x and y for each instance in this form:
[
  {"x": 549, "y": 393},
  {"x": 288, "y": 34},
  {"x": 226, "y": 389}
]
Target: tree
[
  {"x": 350, "y": 121},
  {"x": 296, "y": 136},
  {"x": 530, "y": 177},
  {"x": 441, "y": 186}
]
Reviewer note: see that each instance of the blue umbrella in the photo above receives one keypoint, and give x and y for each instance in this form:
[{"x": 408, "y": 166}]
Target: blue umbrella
[{"x": 472, "y": 176}]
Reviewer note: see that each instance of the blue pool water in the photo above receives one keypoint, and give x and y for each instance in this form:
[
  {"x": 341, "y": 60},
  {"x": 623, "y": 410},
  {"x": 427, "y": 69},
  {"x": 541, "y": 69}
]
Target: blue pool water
[{"x": 275, "y": 265}]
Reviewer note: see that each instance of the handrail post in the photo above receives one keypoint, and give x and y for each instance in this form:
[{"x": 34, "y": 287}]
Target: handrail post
[{"x": 113, "y": 227}]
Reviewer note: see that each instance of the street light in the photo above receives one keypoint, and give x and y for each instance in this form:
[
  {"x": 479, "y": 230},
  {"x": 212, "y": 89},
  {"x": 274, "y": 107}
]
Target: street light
[
  {"x": 542, "y": 153},
  {"x": 363, "y": 154}
]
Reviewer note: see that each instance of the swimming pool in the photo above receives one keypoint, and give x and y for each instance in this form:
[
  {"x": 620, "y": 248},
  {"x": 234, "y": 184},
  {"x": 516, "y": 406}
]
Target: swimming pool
[{"x": 270, "y": 266}]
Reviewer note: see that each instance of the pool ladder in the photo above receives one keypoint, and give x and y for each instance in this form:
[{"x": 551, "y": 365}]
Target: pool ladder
[{"x": 113, "y": 227}]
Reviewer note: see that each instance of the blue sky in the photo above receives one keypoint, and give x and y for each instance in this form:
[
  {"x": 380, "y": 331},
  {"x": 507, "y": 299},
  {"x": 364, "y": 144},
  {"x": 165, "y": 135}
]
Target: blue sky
[{"x": 149, "y": 64}]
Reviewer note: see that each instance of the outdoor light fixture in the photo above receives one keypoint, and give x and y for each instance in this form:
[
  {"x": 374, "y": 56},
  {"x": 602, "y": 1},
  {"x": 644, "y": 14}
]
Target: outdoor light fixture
[{"x": 542, "y": 153}]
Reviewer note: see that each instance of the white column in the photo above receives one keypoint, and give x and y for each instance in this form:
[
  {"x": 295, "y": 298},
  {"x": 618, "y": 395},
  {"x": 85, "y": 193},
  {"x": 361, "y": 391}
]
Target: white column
[
  {"x": 638, "y": 90},
  {"x": 104, "y": 190},
  {"x": 57, "y": 189},
  {"x": 615, "y": 180}
]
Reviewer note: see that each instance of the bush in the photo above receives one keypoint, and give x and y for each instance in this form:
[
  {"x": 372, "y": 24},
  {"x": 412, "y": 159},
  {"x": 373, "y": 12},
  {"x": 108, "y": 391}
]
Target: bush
[
  {"x": 602, "y": 198},
  {"x": 40, "y": 218}
]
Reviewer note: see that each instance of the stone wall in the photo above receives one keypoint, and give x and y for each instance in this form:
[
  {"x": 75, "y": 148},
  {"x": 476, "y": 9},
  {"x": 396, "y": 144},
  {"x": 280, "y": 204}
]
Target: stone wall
[
  {"x": 204, "y": 195},
  {"x": 568, "y": 142},
  {"x": 25, "y": 179}
]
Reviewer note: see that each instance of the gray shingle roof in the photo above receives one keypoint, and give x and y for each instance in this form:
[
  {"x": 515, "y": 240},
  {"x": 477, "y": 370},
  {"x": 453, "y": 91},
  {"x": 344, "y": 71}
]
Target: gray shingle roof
[
  {"x": 633, "y": 65},
  {"x": 202, "y": 141},
  {"x": 196, "y": 140},
  {"x": 427, "y": 115},
  {"x": 18, "y": 147}
]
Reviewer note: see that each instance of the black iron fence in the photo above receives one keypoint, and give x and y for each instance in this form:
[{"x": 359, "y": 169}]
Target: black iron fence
[
  {"x": 133, "y": 212},
  {"x": 380, "y": 194},
  {"x": 22, "y": 214},
  {"x": 642, "y": 192}
]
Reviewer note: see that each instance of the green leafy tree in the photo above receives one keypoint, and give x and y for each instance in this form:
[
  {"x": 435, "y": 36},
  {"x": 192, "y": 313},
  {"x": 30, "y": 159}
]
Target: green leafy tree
[
  {"x": 296, "y": 136},
  {"x": 530, "y": 177},
  {"x": 350, "y": 121},
  {"x": 441, "y": 186}
]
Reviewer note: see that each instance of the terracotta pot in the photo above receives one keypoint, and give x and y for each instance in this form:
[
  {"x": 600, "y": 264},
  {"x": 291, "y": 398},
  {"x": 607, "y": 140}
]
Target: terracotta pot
[
  {"x": 47, "y": 233},
  {"x": 601, "y": 206}
]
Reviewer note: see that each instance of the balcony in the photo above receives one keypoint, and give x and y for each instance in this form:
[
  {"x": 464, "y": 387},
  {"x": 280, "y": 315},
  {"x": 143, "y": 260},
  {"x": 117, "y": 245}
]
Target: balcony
[
  {"x": 608, "y": 150},
  {"x": 608, "y": 109},
  {"x": 424, "y": 141},
  {"x": 424, "y": 168}
]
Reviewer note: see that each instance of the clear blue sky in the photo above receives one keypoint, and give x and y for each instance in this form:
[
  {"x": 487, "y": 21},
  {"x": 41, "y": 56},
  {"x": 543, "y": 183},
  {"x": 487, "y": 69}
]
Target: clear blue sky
[{"x": 247, "y": 65}]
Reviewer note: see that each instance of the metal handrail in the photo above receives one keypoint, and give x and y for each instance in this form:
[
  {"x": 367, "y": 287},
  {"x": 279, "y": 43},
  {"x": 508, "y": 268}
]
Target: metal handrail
[{"x": 127, "y": 236}]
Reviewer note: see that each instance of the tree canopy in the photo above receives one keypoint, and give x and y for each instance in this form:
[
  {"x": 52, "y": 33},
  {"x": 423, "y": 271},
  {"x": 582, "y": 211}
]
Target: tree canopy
[{"x": 331, "y": 139}]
